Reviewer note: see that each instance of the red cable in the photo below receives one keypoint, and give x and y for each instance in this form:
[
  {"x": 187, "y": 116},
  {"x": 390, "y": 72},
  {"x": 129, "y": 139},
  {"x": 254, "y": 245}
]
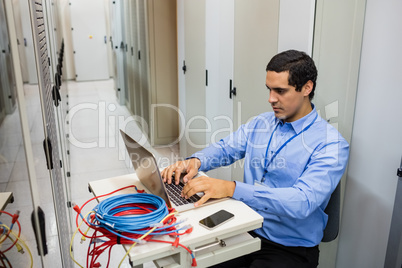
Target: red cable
[
  {"x": 94, "y": 250},
  {"x": 79, "y": 209},
  {"x": 15, "y": 219}
]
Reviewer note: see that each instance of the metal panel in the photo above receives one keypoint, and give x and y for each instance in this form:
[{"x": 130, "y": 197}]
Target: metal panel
[
  {"x": 2, "y": 107},
  {"x": 296, "y": 25},
  {"x": 117, "y": 45},
  {"x": 192, "y": 89},
  {"x": 89, "y": 40},
  {"x": 6, "y": 66},
  {"x": 393, "y": 257},
  {"x": 143, "y": 60},
  {"x": 219, "y": 63},
  {"x": 135, "y": 89},
  {"x": 256, "y": 31},
  {"x": 49, "y": 117}
]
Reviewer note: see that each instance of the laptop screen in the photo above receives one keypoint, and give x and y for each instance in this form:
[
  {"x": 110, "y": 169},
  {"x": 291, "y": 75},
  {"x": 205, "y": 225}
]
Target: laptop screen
[{"x": 145, "y": 167}]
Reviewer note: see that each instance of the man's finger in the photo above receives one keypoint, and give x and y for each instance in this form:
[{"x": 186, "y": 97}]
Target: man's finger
[
  {"x": 177, "y": 175},
  {"x": 190, "y": 174},
  {"x": 201, "y": 201},
  {"x": 192, "y": 187},
  {"x": 170, "y": 174}
]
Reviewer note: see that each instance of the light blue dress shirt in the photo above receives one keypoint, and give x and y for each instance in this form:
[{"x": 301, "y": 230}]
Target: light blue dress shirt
[{"x": 289, "y": 187}]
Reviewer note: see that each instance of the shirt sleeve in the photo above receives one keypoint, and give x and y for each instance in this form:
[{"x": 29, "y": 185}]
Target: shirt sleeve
[
  {"x": 310, "y": 191},
  {"x": 224, "y": 152}
]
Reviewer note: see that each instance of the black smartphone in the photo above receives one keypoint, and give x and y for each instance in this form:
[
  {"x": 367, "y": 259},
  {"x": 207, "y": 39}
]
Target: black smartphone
[{"x": 216, "y": 219}]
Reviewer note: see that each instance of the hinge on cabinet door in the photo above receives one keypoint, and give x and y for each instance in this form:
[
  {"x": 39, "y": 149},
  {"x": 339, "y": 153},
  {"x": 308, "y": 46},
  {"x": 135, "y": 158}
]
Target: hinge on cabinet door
[
  {"x": 139, "y": 54},
  {"x": 206, "y": 77},
  {"x": 184, "y": 68}
]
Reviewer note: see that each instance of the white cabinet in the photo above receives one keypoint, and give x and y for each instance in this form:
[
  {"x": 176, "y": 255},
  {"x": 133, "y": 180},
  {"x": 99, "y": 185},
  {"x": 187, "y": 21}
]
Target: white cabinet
[
  {"x": 256, "y": 33},
  {"x": 145, "y": 45},
  {"x": 224, "y": 45},
  {"x": 256, "y": 42},
  {"x": 89, "y": 40},
  {"x": 219, "y": 43},
  {"x": 163, "y": 93},
  {"x": 192, "y": 75},
  {"x": 116, "y": 42}
]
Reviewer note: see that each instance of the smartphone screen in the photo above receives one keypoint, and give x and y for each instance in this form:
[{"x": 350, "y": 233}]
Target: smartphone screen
[{"x": 216, "y": 219}]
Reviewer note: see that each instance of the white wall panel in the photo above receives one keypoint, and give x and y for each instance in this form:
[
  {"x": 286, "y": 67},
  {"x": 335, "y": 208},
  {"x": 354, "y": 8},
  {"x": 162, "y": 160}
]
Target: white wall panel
[
  {"x": 376, "y": 141},
  {"x": 296, "y": 25}
]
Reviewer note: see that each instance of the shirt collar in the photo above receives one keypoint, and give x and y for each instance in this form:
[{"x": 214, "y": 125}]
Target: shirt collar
[{"x": 301, "y": 123}]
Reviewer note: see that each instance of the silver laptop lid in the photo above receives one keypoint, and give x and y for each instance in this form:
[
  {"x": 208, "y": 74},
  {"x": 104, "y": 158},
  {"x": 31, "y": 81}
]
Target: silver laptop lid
[{"x": 145, "y": 167}]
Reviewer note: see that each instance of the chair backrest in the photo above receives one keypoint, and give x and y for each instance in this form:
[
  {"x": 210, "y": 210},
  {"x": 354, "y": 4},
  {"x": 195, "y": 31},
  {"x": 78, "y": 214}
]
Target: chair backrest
[{"x": 333, "y": 212}]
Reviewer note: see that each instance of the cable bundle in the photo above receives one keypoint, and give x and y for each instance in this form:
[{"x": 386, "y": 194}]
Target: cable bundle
[
  {"x": 7, "y": 232},
  {"x": 139, "y": 211},
  {"x": 128, "y": 219}
]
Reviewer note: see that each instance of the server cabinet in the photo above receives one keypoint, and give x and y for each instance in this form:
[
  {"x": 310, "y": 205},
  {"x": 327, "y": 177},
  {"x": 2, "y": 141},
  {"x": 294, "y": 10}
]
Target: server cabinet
[
  {"x": 88, "y": 23},
  {"x": 6, "y": 66}
]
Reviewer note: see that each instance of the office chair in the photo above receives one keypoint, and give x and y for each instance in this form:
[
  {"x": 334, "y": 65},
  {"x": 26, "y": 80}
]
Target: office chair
[{"x": 333, "y": 212}]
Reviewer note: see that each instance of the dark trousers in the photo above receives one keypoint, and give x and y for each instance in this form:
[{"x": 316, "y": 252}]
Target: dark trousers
[{"x": 273, "y": 255}]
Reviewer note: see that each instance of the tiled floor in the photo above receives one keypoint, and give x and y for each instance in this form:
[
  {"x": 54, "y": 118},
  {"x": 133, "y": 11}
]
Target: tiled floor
[{"x": 95, "y": 153}]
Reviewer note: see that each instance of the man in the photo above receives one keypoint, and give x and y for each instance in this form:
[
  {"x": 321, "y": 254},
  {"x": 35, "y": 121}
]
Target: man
[{"x": 293, "y": 162}]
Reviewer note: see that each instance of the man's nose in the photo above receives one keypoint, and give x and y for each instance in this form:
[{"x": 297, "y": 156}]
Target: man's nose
[{"x": 272, "y": 97}]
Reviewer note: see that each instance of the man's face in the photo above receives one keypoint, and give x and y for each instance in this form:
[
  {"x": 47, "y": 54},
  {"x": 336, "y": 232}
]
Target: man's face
[{"x": 287, "y": 103}]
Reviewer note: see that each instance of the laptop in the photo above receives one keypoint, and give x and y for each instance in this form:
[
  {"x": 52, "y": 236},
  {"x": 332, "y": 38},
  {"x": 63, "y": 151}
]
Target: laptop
[{"x": 148, "y": 173}]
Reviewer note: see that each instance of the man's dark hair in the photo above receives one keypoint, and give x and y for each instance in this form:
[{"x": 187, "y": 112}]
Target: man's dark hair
[{"x": 301, "y": 68}]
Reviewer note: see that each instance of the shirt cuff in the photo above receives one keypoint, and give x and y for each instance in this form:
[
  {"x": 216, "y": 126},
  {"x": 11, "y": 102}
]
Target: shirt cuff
[{"x": 243, "y": 192}]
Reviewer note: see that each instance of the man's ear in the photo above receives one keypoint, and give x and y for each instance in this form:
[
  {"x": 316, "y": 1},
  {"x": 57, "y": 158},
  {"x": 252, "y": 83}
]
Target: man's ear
[{"x": 307, "y": 88}]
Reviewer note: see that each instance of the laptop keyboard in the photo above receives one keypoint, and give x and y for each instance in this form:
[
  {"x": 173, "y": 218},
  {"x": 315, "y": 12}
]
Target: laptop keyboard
[{"x": 174, "y": 192}]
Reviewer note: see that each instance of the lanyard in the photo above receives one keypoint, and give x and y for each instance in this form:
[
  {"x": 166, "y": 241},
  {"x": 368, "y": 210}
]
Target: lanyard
[{"x": 283, "y": 145}]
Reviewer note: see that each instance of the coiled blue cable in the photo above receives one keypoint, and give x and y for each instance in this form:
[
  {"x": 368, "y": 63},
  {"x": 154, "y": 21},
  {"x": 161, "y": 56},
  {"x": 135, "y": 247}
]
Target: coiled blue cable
[{"x": 106, "y": 210}]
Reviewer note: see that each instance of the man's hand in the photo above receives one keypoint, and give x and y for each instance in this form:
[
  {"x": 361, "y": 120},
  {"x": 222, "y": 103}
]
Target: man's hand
[
  {"x": 189, "y": 166},
  {"x": 212, "y": 188}
]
